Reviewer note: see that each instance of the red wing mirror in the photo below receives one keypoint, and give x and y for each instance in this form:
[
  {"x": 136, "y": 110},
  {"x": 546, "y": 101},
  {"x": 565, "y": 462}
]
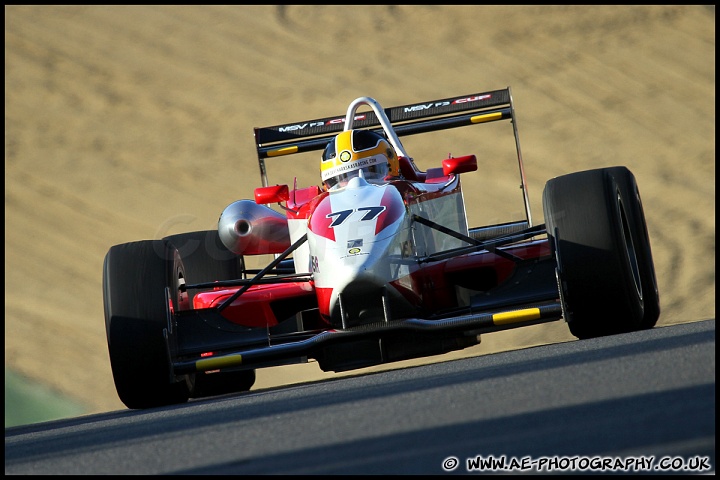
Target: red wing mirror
[
  {"x": 456, "y": 165},
  {"x": 273, "y": 194}
]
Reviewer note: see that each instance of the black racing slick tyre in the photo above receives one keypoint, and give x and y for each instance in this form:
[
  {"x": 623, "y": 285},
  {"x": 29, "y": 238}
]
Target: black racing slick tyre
[
  {"x": 641, "y": 241},
  {"x": 142, "y": 282},
  {"x": 597, "y": 230},
  {"x": 206, "y": 259}
]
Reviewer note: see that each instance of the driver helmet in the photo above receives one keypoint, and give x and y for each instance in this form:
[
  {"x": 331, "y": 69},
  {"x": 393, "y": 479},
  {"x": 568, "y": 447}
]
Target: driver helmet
[{"x": 355, "y": 150}]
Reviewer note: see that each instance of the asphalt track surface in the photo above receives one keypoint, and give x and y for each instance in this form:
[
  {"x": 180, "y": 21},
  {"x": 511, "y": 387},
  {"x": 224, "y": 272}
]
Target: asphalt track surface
[{"x": 610, "y": 403}]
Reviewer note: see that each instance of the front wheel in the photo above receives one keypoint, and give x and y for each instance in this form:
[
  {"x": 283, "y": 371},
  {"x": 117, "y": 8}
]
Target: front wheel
[
  {"x": 143, "y": 282},
  {"x": 206, "y": 259},
  {"x": 597, "y": 230}
]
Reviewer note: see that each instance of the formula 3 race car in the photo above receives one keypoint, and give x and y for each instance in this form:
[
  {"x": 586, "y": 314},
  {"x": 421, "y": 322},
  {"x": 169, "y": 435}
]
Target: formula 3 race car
[{"x": 375, "y": 266}]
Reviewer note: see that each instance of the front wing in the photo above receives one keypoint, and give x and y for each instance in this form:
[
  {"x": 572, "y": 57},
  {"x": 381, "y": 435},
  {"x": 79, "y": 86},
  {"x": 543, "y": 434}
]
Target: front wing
[{"x": 291, "y": 349}]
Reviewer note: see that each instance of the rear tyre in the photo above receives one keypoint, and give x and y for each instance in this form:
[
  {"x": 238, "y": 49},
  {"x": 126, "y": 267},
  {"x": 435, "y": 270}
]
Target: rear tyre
[
  {"x": 641, "y": 240},
  {"x": 597, "y": 230},
  {"x": 142, "y": 282},
  {"x": 206, "y": 259}
]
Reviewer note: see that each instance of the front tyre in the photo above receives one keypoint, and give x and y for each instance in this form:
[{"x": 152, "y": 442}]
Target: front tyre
[
  {"x": 142, "y": 283},
  {"x": 597, "y": 230},
  {"x": 206, "y": 259}
]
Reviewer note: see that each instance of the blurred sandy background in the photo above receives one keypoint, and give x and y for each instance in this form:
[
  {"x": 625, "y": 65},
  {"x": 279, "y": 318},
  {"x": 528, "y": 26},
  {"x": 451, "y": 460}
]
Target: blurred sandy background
[{"x": 129, "y": 123}]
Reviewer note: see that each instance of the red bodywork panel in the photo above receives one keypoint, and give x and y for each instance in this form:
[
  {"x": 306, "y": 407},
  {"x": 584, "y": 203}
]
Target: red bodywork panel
[
  {"x": 253, "y": 308},
  {"x": 430, "y": 288}
]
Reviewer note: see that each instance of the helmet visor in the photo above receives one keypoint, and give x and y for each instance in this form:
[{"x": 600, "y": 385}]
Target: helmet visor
[{"x": 375, "y": 170}]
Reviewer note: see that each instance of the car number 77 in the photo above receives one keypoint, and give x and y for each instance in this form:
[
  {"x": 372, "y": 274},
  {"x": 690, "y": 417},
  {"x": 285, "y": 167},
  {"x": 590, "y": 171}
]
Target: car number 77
[{"x": 342, "y": 215}]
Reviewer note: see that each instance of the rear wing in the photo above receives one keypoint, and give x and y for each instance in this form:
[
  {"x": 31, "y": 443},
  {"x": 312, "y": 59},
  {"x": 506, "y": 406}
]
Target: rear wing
[{"x": 310, "y": 135}]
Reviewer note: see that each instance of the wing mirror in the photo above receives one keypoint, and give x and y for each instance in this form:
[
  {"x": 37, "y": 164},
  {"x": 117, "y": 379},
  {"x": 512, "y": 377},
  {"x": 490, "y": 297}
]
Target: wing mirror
[
  {"x": 272, "y": 194},
  {"x": 456, "y": 165}
]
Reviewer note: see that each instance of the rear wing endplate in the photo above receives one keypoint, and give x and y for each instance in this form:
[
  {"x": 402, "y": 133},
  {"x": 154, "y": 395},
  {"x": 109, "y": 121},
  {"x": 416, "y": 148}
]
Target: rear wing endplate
[{"x": 310, "y": 135}]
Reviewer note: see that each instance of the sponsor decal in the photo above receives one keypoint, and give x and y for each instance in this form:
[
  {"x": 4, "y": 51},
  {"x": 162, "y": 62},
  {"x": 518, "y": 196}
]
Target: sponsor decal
[
  {"x": 427, "y": 106},
  {"x": 345, "y": 156},
  {"x": 422, "y": 106},
  {"x": 476, "y": 98},
  {"x": 354, "y": 251},
  {"x": 292, "y": 128},
  {"x": 323, "y": 123},
  {"x": 336, "y": 121},
  {"x": 348, "y": 167},
  {"x": 314, "y": 264}
]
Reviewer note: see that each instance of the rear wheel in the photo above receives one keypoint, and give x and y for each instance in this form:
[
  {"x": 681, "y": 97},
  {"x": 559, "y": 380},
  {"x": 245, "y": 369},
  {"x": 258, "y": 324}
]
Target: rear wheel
[
  {"x": 641, "y": 240},
  {"x": 597, "y": 229},
  {"x": 142, "y": 282},
  {"x": 206, "y": 259}
]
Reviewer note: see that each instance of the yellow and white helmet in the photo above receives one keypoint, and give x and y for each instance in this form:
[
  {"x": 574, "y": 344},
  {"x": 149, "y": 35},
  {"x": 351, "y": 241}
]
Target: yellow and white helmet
[{"x": 355, "y": 150}]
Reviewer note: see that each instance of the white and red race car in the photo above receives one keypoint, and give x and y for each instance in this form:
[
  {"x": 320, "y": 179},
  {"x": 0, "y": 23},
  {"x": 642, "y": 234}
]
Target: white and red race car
[{"x": 375, "y": 266}]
